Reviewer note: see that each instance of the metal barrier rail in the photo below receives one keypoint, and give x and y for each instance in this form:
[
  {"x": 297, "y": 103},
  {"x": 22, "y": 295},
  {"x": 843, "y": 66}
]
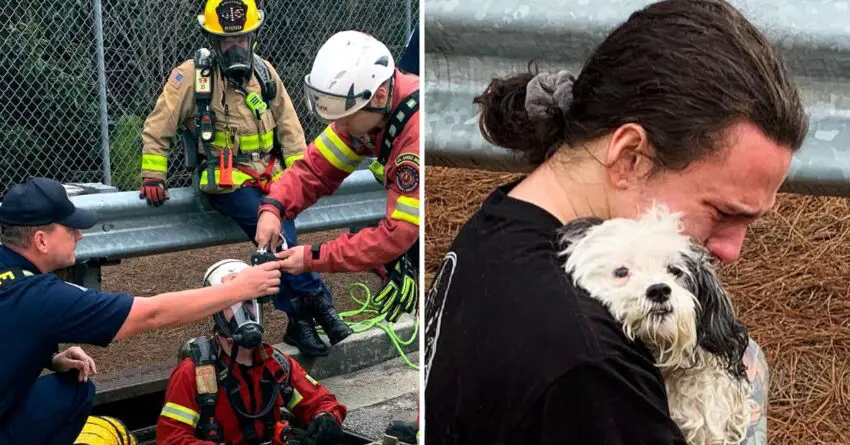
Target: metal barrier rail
[
  {"x": 468, "y": 43},
  {"x": 129, "y": 228}
]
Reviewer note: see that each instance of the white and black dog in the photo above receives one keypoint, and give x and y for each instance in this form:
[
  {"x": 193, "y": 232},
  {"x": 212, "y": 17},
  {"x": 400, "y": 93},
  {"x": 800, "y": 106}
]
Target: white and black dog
[{"x": 662, "y": 287}]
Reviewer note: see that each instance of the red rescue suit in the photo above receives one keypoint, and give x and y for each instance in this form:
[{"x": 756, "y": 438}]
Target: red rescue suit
[
  {"x": 328, "y": 160},
  {"x": 180, "y": 414}
]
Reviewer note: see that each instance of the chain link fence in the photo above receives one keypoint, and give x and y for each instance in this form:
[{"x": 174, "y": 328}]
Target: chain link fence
[{"x": 80, "y": 76}]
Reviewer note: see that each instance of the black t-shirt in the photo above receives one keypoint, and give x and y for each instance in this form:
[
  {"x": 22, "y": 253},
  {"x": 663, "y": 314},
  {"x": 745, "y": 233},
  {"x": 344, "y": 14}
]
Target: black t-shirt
[{"x": 521, "y": 355}]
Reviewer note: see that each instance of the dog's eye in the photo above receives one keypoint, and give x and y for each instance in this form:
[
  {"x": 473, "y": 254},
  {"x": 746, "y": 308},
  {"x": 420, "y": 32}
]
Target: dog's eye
[
  {"x": 621, "y": 272},
  {"x": 675, "y": 271}
]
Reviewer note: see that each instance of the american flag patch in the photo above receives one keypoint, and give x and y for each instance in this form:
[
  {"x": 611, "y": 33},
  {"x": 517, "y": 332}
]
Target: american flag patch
[{"x": 175, "y": 78}]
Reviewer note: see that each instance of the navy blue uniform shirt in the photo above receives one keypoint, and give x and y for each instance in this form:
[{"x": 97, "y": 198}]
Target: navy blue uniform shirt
[
  {"x": 40, "y": 311},
  {"x": 409, "y": 60}
]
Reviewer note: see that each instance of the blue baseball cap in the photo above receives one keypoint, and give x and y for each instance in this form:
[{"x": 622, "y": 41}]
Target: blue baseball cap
[{"x": 43, "y": 201}]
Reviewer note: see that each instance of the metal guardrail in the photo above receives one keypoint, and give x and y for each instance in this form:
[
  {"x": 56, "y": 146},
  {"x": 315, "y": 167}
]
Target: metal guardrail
[
  {"x": 129, "y": 228},
  {"x": 468, "y": 43}
]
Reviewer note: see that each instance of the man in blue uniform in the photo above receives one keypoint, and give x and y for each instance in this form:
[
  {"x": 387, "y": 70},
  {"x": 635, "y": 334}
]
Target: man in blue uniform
[{"x": 39, "y": 231}]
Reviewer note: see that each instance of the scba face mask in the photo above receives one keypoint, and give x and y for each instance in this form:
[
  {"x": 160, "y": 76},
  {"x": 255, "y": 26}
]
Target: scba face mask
[
  {"x": 242, "y": 322},
  {"x": 236, "y": 60}
]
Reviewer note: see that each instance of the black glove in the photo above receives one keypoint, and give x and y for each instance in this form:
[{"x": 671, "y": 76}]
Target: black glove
[
  {"x": 325, "y": 430},
  {"x": 399, "y": 293},
  {"x": 154, "y": 191}
]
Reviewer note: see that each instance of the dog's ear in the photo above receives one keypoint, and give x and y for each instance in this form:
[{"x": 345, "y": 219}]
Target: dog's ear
[
  {"x": 575, "y": 230},
  {"x": 718, "y": 329}
]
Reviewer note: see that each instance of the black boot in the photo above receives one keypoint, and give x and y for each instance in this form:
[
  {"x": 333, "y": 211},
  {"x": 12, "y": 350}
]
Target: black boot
[
  {"x": 327, "y": 317},
  {"x": 301, "y": 333},
  {"x": 403, "y": 431}
]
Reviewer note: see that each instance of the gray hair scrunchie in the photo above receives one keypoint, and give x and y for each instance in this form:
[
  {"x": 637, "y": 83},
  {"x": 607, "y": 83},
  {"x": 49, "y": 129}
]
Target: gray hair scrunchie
[{"x": 547, "y": 91}]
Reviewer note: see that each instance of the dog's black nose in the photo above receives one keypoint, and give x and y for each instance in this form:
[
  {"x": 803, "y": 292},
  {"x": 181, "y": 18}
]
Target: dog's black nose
[{"x": 658, "y": 293}]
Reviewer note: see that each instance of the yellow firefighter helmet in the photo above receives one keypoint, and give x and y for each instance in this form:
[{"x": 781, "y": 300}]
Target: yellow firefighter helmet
[{"x": 231, "y": 17}]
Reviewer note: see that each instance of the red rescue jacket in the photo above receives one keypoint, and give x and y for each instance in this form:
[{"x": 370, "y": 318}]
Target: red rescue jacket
[
  {"x": 328, "y": 160},
  {"x": 180, "y": 414}
]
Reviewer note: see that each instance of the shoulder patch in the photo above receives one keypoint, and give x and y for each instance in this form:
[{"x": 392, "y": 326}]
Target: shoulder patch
[
  {"x": 412, "y": 158},
  {"x": 175, "y": 78},
  {"x": 407, "y": 177}
]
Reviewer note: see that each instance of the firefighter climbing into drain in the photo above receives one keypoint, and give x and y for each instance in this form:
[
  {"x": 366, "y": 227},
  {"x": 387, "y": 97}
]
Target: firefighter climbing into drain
[{"x": 240, "y": 132}]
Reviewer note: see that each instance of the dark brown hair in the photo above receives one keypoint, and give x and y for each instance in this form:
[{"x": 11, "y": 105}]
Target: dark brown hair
[{"x": 683, "y": 69}]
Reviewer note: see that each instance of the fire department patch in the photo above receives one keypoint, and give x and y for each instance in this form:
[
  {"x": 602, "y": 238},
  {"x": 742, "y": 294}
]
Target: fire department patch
[
  {"x": 407, "y": 177},
  {"x": 231, "y": 15}
]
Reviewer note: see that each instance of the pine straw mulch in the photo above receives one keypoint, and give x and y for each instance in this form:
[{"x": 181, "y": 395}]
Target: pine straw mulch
[{"x": 790, "y": 288}]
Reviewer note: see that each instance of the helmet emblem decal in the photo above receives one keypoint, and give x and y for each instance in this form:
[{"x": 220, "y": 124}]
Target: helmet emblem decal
[
  {"x": 383, "y": 61},
  {"x": 232, "y": 15}
]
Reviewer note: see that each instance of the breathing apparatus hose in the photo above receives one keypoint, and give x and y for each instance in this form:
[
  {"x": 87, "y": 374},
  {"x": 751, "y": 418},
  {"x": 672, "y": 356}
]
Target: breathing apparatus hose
[{"x": 367, "y": 306}]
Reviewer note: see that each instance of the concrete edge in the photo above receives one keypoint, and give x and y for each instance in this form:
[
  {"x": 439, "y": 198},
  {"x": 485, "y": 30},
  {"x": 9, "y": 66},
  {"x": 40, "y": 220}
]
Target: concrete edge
[{"x": 356, "y": 352}]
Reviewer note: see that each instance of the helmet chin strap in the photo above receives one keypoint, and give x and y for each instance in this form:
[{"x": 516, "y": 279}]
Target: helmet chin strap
[{"x": 388, "y": 107}]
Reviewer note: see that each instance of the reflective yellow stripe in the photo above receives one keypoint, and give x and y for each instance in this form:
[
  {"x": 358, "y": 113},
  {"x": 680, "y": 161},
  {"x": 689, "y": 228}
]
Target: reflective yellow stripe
[
  {"x": 155, "y": 163},
  {"x": 337, "y": 152},
  {"x": 248, "y": 142},
  {"x": 277, "y": 175},
  {"x": 238, "y": 177},
  {"x": 296, "y": 399},
  {"x": 406, "y": 209},
  {"x": 289, "y": 160},
  {"x": 180, "y": 413}
]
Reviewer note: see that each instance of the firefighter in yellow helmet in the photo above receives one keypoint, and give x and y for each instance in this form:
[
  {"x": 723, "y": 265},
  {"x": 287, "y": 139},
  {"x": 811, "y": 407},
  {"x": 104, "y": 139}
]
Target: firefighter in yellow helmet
[{"x": 246, "y": 133}]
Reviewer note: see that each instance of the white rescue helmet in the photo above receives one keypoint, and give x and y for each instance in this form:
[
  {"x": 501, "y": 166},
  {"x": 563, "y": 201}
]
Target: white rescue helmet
[
  {"x": 219, "y": 270},
  {"x": 245, "y": 325},
  {"x": 348, "y": 69}
]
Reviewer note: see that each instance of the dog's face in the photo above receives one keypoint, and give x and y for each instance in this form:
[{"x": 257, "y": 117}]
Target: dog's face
[{"x": 656, "y": 282}]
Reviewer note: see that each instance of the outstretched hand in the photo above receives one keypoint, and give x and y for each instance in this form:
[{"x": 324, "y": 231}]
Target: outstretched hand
[
  {"x": 260, "y": 280},
  {"x": 292, "y": 259}
]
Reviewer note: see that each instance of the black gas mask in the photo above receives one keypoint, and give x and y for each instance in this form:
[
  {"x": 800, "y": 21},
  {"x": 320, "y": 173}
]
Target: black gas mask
[
  {"x": 244, "y": 327},
  {"x": 243, "y": 321},
  {"x": 237, "y": 60}
]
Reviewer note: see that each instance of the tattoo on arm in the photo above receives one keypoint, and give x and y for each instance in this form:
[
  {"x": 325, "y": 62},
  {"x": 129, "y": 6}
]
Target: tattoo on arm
[{"x": 757, "y": 371}]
